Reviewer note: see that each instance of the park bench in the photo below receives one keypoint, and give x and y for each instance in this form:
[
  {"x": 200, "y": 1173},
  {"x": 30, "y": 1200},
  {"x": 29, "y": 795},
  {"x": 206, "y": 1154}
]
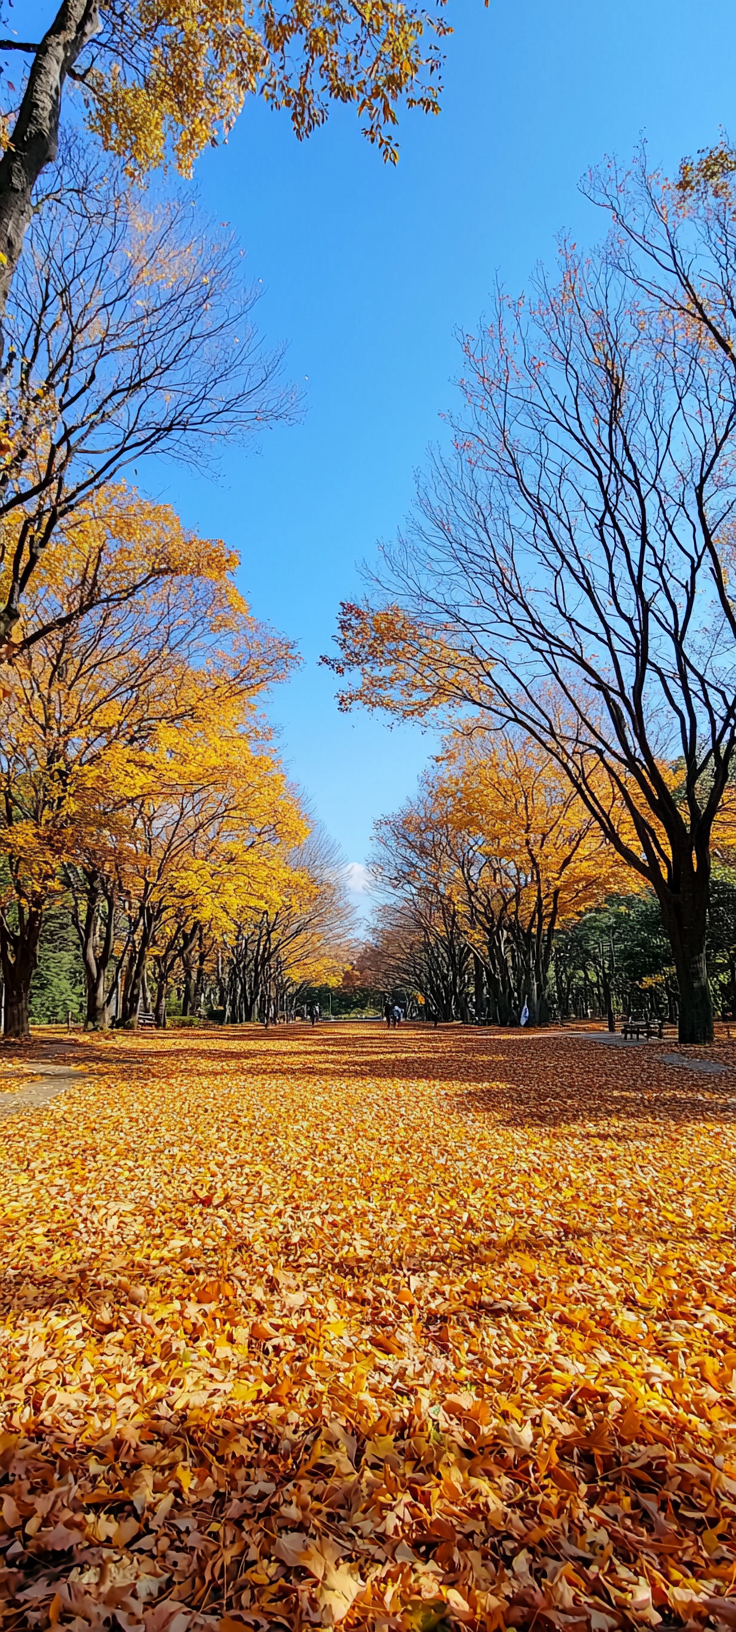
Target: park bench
[
  {"x": 145, "y": 1019},
  {"x": 636, "y": 1025}
]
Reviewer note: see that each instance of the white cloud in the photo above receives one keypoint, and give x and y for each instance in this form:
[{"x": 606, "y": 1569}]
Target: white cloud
[{"x": 358, "y": 877}]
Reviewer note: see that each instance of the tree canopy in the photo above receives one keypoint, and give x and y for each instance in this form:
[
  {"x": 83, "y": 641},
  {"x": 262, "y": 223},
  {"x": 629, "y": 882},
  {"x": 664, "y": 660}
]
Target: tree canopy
[
  {"x": 172, "y": 77},
  {"x": 567, "y": 569}
]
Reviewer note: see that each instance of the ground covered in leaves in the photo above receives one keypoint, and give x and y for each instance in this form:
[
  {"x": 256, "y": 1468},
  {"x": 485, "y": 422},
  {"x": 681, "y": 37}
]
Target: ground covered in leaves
[{"x": 409, "y": 1330}]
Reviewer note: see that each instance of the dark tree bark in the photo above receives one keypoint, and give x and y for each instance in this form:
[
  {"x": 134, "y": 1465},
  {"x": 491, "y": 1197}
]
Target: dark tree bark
[
  {"x": 191, "y": 966},
  {"x": 18, "y": 954},
  {"x": 96, "y": 942},
  {"x": 134, "y": 990},
  {"x": 179, "y": 947},
  {"x": 159, "y": 1010},
  {"x": 34, "y": 139},
  {"x": 684, "y": 914},
  {"x": 201, "y": 969},
  {"x": 479, "y": 988}
]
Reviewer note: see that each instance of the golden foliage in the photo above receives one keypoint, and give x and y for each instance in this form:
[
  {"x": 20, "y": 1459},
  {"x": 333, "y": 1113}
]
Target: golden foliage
[
  {"x": 403, "y": 665},
  {"x": 179, "y": 71},
  {"x": 131, "y": 741},
  {"x": 383, "y": 1330},
  {"x": 532, "y": 837}
]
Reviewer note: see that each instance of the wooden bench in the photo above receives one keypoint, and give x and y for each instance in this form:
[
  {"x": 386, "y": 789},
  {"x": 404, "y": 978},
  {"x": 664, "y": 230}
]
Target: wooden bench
[
  {"x": 145, "y": 1019},
  {"x": 636, "y": 1025}
]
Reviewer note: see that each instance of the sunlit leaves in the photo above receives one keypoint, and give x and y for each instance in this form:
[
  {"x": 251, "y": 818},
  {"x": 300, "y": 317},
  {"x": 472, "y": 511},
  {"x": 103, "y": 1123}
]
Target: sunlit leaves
[{"x": 370, "y": 1330}]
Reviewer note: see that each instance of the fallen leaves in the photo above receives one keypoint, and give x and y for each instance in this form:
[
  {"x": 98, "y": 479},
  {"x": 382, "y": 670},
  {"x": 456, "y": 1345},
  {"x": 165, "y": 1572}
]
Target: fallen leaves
[{"x": 366, "y": 1329}]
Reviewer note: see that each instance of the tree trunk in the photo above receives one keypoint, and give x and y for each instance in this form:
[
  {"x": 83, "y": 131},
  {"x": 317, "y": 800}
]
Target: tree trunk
[
  {"x": 96, "y": 960},
  {"x": 685, "y": 919},
  {"x": 133, "y": 986},
  {"x": 19, "y": 952},
  {"x": 533, "y": 998},
  {"x": 33, "y": 141},
  {"x": 191, "y": 974},
  {"x": 479, "y": 987},
  {"x": 187, "y": 1006},
  {"x": 95, "y": 983},
  {"x": 17, "y": 1024},
  {"x": 199, "y": 984},
  {"x": 607, "y": 996},
  {"x": 696, "y": 1007},
  {"x": 160, "y": 1009}
]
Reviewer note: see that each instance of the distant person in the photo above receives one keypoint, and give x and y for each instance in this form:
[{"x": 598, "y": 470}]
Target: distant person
[
  {"x": 387, "y": 1015},
  {"x": 396, "y": 1014},
  {"x": 314, "y": 1013}
]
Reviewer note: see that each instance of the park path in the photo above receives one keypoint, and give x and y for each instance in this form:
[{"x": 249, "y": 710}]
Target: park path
[{"x": 39, "y": 1078}]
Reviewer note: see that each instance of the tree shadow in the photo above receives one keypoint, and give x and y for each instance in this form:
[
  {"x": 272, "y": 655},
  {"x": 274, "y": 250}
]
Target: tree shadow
[
  {"x": 512, "y": 1079},
  {"x": 520, "y": 1079}
]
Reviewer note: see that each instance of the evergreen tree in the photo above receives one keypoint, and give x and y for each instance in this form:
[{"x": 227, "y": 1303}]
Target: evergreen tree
[{"x": 57, "y": 987}]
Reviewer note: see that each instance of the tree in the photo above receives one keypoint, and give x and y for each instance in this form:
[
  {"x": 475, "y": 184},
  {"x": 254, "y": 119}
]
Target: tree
[
  {"x": 213, "y": 822},
  {"x": 616, "y": 957},
  {"x": 176, "y": 75},
  {"x": 569, "y": 562},
  {"x": 113, "y": 353},
  {"x": 109, "y": 714},
  {"x": 492, "y": 857},
  {"x": 420, "y": 928},
  {"x": 301, "y": 939},
  {"x": 57, "y": 988},
  {"x": 529, "y": 859}
]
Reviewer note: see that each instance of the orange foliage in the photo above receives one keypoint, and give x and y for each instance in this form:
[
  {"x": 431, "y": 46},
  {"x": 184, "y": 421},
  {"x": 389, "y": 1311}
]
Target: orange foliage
[
  {"x": 533, "y": 840},
  {"x": 402, "y": 664},
  {"x": 383, "y": 1330},
  {"x": 180, "y": 70}
]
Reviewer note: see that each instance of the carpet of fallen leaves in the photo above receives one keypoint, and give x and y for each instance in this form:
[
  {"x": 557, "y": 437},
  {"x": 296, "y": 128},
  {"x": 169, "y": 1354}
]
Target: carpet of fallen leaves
[{"x": 413, "y": 1330}]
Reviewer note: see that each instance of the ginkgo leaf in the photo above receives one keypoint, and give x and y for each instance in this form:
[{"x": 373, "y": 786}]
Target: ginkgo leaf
[{"x": 560, "y": 1462}]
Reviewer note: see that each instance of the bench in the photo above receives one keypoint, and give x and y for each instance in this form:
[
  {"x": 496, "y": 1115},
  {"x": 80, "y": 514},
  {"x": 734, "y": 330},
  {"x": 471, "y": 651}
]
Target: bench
[
  {"x": 145, "y": 1019},
  {"x": 636, "y": 1025}
]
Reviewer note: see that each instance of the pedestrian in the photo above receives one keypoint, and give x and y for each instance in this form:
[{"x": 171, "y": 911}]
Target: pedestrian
[
  {"x": 314, "y": 1013},
  {"x": 396, "y": 1014},
  {"x": 387, "y": 1012}
]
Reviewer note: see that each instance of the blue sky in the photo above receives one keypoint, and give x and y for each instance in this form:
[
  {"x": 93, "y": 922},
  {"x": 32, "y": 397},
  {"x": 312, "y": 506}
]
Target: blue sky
[{"x": 368, "y": 270}]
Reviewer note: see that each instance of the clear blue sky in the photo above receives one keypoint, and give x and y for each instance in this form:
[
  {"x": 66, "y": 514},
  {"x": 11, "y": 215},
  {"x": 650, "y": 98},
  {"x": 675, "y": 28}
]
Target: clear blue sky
[{"x": 369, "y": 269}]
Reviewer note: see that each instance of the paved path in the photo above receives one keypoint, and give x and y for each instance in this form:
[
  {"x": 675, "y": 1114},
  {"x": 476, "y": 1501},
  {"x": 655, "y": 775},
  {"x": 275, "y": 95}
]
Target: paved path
[
  {"x": 43, "y": 1079},
  {"x": 614, "y": 1039}
]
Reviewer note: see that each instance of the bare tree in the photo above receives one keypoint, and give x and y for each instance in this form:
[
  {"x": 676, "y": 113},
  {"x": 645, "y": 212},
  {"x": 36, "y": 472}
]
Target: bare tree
[
  {"x": 421, "y": 926},
  {"x": 573, "y": 553},
  {"x": 130, "y": 333}
]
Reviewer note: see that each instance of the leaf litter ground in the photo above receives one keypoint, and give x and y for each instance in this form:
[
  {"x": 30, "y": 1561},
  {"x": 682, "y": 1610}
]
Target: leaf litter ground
[{"x": 403, "y": 1330}]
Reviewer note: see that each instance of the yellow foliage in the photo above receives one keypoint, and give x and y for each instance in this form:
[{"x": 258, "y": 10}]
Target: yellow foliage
[
  {"x": 179, "y": 71},
  {"x": 355, "y": 1327},
  {"x": 131, "y": 742},
  {"x": 535, "y": 845}
]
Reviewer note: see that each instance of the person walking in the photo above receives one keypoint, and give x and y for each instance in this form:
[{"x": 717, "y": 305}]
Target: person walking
[
  {"x": 396, "y": 1014},
  {"x": 314, "y": 1013}
]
